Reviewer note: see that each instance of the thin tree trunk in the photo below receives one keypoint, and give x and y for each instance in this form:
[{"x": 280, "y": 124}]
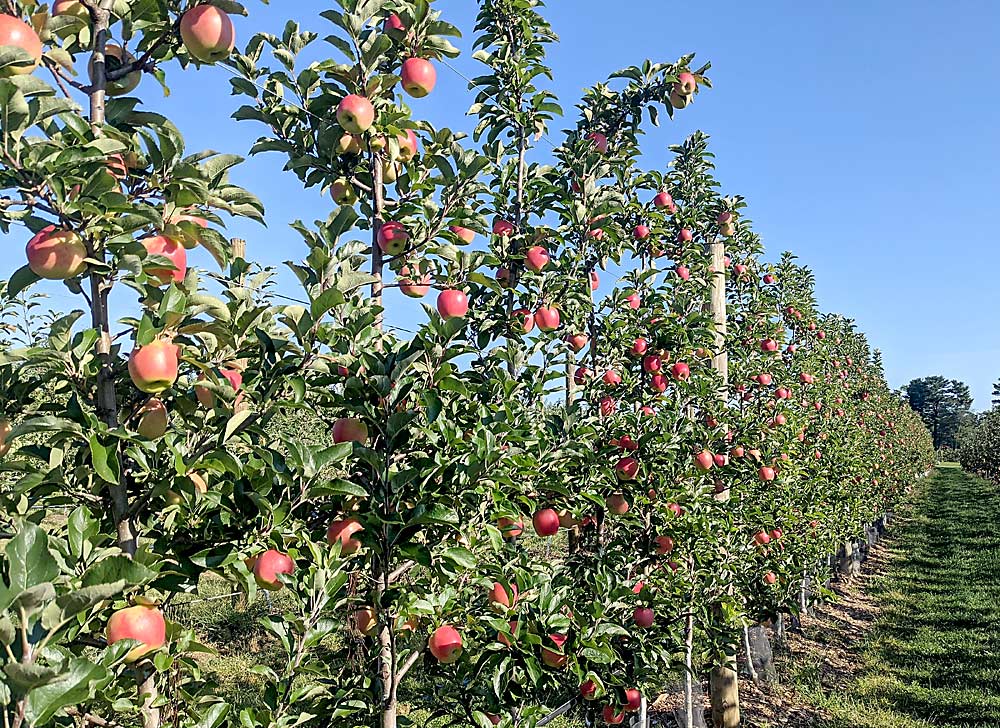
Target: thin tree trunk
[{"x": 751, "y": 670}]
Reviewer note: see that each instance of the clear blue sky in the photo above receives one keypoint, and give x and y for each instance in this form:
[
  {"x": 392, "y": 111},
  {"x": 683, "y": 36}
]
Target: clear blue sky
[{"x": 864, "y": 136}]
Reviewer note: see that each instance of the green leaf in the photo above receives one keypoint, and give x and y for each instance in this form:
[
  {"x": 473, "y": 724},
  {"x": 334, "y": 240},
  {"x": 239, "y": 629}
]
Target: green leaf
[
  {"x": 84, "y": 599},
  {"x": 105, "y": 461},
  {"x": 77, "y": 682},
  {"x": 29, "y": 560},
  {"x": 117, "y": 568}
]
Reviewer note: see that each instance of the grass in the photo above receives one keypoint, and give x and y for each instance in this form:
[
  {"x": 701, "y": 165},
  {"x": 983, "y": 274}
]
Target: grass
[{"x": 933, "y": 655}]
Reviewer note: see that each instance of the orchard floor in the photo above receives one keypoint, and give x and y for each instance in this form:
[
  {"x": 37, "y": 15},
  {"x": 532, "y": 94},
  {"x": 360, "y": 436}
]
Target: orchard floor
[{"x": 915, "y": 640}]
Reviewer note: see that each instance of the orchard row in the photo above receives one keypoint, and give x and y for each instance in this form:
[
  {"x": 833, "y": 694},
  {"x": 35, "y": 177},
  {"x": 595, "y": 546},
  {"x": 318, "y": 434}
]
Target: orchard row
[{"x": 606, "y": 356}]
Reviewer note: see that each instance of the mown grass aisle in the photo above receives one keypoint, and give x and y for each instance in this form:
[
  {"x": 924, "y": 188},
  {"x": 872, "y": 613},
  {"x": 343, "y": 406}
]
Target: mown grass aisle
[{"x": 932, "y": 657}]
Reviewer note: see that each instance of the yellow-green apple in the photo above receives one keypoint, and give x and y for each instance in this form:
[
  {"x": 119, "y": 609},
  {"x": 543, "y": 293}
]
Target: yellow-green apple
[
  {"x": 153, "y": 367},
  {"x": 349, "y": 144},
  {"x": 208, "y": 33},
  {"x": 15, "y": 33},
  {"x": 343, "y": 192},
  {"x": 643, "y": 617},
  {"x": 355, "y": 114},
  {"x": 153, "y": 419},
  {"x": 269, "y": 566},
  {"x": 463, "y": 233},
  {"x": 350, "y": 429},
  {"x": 56, "y": 254},
  {"x": 409, "y": 285},
  {"x": 173, "y": 251},
  {"x": 452, "y": 303},
  {"x": 116, "y": 57},
  {"x": 555, "y": 658},
  {"x": 392, "y": 238},
  {"x": 142, "y": 623},
  {"x": 418, "y": 76},
  {"x": 546, "y": 522},
  {"x": 343, "y": 531},
  {"x": 5, "y": 430},
  {"x": 445, "y": 644},
  {"x": 547, "y": 318},
  {"x": 679, "y": 100}
]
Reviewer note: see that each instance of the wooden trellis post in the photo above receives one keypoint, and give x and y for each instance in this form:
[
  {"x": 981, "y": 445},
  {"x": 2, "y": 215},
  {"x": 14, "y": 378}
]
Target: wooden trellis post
[{"x": 724, "y": 680}]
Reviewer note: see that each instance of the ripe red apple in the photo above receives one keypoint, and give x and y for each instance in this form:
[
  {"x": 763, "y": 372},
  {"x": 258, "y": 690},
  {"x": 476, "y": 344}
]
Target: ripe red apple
[
  {"x": 56, "y": 255},
  {"x": 392, "y": 238},
  {"x": 153, "y": 419},
  {"x": 537, "y": 258},
  {"x": 664, "y": 545},
  {"x": 641, "y": 232},
  {"x": 153, "y": 367},
  {"x": 762, "y": 538},
  {"x": 577, "y": 341},
  {"x": 546, "y": 522},
  {"x": 684, "y": 236},
  {"x": 269, "y": 565},
  {"x": 142, "y": 623},
  {"x": 208, "y": 33},
  {"x": 555, "y": 657},
  {"x": 355, "y": 114},
  {"x": 393, "y": 23},
  {"x": 510, "y": 528},
  {"x": 588, "y": 690},
  {"x": 720, "y": 460},
  {"x": 633, "y": 700},
  {"x": 452, "y": 303},
  {"x": 612, "y": 378},
  {"x": 612, "y": 716},
  {"x": 547, "y": 318},
  {"x": 581, "y": 375},
  {"x": 608, "y": 406},
  {"x": 599, "y": 140},
  {"x": 664, "y": 200},
  {"x": 768, "y": 345},
  {"x": 683, "y": 272},
  {"x": 418, "y": 76},
  {"x": 522, "y": 321},
  {"x": 770, "y": 578},
  {"x": 643, "y": 617},
  {"x": 363, "y": 620},
  {"x": 445, "y": 644},
  {"x": 343, "y": 531},
  {"x": 173, "y": 251},
  {"x": 627, "y": 468},
  {"x": 766, "y": 473},
  {"x": 463, "y": 233},
  {"x": 616, "y": 503},
  {"x": 686, "y": 83},
  {"x": 768, "y": 279},
  {"x": 777, "y": 533},
  {"x": 778, "y": 420},
  {"x": 658, "y": 383},
  {"x": 500, "y": 599},
  {"x": 704, "y": 460},
  {"x": 503, "y": 228},
  {"x": 207, "y": 398},
  {"x": 595, "y": 280},
  {"x": 680, "y": 371},
  {"x": 639, "y": 347},
  {"x": 652, "y": 363},
  {"x": 187, "y": 235},
  {"x": 764, "y": 379},
  {"x": 409, "y": 286},
  {"x": 15, "y": 33},
  {"x": 350, "y": 429},
  {"x": 70, "y": 7},
  {"x": 634, "y": 300},
  {"x": 737, "y": 452}
]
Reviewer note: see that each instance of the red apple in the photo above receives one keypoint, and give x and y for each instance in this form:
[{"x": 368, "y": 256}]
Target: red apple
[
  {"x": 768, "y": 345},
  {"x": 684, "y": 236},
  {"x": 652, "y": 363},
  {"x": 503, "y": 228},
  {"x": 612, "y": 716},
  {"x": 664, "y": 545},
  {"x": 639, "y": 347},
  {"x": 452, "y": 303},
  {"x": 683, "y": 272},
  {"x": 153, "y": 367},
  {"x": 187, "y": 234},
  {"x": 343, "y": 532},
  {"x": 418, "y": 76},
  {"x": 56, "y": 255},
  {"x": 616, "y": 503},
  {"x": 577, "y": 341},
  {"x": 522, "y": 321},
  {"x": 173, "y": 251},
  {"x": 704, "y": 460},
  {"x": 355, "y": 114},
  {"x": 207, "y": 398},
  {"x": 463, "y": 233},
  {"x": 680, "y": 371},
  {"x": 658, "y": 383},
  {"x": 537, "y": 258},
  {"x": 445, "y": 644},
  {"x": 555, "y": 657},
  {"x": 500, "y": 599},
  {"x": 581, "y": 375},
  {"x": 762, "y": 538},
  {"x": 664, "y": 200},
  {"x": 409, "y": 286},
  {"x": 547, "y": 318},
  {"x": 612, "y": 378},
  {"x": 208, "y": 33},
  {"x": 599, "y": 140},
  {"x": 350, "y": 429},
  {"x": 770, "y": 578},
  {"x": 510, "y": 528},
  {"x": 142, "y": 623},
  {"x": 392, "y": 238},
  {"x": 595, "y": 280},
  {"x": 634, "y": 300},
  {"x": 546, "y": 522},
  {"x": 766, "y": 473},
  {"x": 641, "y": 232},
  {"x": 408, "y": 146},
  {"x": 643, "y": 617},
  {"x": 15, "y": 33},
  {"x": 588, "y": 690},
  {"x": 627, "y": 468},
  {"x": 608, "y": 406},
  {"x": 686, "y": 83},
  {"x": 633, "y": 700},
  {"x": 269, "y": 565}
]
